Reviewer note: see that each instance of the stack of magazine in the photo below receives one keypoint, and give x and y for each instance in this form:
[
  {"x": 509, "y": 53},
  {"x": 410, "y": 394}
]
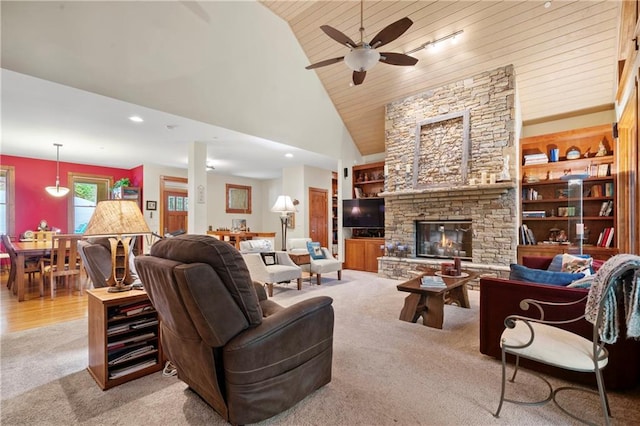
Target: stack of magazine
[{"x": 432, "y": 282}]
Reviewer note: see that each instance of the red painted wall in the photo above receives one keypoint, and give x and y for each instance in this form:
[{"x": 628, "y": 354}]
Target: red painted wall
[{"x": 32, "y": 201}]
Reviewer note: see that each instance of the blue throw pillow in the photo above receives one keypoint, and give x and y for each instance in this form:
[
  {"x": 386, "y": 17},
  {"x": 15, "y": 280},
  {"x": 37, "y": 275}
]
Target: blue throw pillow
[
  {"x": 315, "y": 251},
  {"x": 522, "y": 273}
]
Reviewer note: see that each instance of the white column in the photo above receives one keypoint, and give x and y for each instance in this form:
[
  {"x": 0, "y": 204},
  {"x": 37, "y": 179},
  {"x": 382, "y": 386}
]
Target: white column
[{"x": 197, "y": 185}]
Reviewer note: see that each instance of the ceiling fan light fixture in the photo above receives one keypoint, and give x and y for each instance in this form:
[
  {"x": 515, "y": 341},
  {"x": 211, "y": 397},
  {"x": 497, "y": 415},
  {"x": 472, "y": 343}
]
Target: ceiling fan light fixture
[{"x": 362, "y": 58}]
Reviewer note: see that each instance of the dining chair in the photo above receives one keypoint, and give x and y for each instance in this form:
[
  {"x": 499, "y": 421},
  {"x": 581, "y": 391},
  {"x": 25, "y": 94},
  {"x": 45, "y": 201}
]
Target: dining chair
[
  {"x": 30, "y": 267},
  {"x": 62, "y": 262},
  {"x": 43, "y": 235}
]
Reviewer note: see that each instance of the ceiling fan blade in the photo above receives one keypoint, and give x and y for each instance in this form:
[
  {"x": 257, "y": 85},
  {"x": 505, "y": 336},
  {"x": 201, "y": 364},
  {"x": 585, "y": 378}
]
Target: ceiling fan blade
[
  {"x": 391, "y": 32},
  {"x": 358, "y": 77},
  {"x": 338, "y": 36},
  {"x": 392, "y": 58},
  {"x": 324, "y": 63}
]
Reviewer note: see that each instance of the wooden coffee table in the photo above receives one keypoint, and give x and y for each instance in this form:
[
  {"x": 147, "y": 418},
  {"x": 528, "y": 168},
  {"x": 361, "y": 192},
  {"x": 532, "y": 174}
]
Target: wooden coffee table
[{"x": 428, "y": 302}]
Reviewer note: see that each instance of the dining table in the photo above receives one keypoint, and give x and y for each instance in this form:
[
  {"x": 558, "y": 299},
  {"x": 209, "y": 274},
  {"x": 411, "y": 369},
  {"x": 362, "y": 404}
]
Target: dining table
[{"x": 23, "y": 250}]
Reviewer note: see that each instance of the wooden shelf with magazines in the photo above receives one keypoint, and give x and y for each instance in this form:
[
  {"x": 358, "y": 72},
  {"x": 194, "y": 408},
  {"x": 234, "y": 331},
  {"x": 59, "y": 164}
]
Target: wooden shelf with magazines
[
  {"x": 124, "y": 337},
  {"x": 568, "y": 193}
]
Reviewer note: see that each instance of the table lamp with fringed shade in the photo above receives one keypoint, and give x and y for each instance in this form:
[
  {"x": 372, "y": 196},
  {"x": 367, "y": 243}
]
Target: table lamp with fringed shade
[{"x": 122, "y": 219}]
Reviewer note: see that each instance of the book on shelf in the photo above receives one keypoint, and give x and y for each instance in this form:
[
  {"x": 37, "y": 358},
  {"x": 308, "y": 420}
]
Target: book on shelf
[
  {"x": 526, "y": 235},
  {"x": 534, "y": 213},
  {"x": 608, "y": 189},
  {"x": 119, "y": 372},
  {"x": 529, "y": 194},
  {"x": 606, "y": 237},
  {"x": 130, "y": 354},
  {"x": 609, "y": 241},
  {"x": 133, "y": 309},
  {"x": 532, "y": 238},
  {"x": 604, "y": 170},
  {"x": 432, "y": 281},
  {"x": 131, "y": 325},
  {"x": 606, "y": 208},
  {"x": 133, "y": 339},
  {"x": 530, "y": 159},
  {"x": 596, "y": 190}
]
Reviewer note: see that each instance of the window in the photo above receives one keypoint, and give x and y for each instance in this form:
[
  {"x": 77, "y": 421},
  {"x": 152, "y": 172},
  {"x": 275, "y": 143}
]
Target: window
[
  {"x": 7, "y": 203},
  {"x": 87, "y": 191}
]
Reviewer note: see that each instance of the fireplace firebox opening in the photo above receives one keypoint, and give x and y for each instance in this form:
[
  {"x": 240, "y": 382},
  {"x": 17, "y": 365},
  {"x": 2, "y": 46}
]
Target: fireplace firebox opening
[{"x": 444, "y": 239}]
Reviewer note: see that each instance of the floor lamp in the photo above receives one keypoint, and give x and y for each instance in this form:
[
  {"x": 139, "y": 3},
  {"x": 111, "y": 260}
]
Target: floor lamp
[
  {"x": 122, "y": 219},
  {"x": 284, "y": 206}
]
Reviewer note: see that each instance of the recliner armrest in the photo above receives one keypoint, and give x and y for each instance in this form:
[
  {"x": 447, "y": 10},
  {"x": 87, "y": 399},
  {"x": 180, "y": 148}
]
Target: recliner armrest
[{"x": 284, "y": 340}]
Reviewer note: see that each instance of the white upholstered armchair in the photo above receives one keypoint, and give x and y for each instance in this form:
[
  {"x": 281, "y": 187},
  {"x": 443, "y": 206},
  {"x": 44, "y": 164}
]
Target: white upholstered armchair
[
  {"x": 317, "y": 266},
  {"x": 280, "y": 271}
]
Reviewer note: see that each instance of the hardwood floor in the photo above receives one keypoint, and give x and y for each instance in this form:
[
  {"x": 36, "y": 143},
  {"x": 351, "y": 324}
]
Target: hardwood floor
[{"x": 38, "y": 311}]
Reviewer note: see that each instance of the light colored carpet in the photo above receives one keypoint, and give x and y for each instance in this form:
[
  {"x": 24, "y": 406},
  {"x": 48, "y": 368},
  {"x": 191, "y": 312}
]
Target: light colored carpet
[{"x": 385, "y": 372}]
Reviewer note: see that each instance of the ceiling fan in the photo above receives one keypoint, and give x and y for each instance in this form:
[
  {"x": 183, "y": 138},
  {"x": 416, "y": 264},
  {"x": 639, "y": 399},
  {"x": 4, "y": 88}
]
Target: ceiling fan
[{"x": 363, "y": 56}]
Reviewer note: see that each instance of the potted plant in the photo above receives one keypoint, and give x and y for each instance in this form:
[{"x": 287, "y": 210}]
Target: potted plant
[{"x": 123, "y": 182}]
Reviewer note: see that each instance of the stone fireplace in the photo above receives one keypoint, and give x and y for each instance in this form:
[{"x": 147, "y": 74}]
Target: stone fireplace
[{"x": 439, "y": 146}]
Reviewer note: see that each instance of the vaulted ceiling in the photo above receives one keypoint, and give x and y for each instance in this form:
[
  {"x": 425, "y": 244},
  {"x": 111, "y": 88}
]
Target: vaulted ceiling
[{"x": 564, "y": 55}]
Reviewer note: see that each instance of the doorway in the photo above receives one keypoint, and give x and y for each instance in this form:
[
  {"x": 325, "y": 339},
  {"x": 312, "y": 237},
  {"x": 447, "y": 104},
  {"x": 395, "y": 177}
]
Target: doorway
[{"x": 318, "y": 215}]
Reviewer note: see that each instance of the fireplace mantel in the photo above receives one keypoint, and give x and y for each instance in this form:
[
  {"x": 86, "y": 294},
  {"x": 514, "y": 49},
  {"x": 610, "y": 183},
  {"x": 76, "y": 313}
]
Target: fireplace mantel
[{"x": 491, "y": 190}]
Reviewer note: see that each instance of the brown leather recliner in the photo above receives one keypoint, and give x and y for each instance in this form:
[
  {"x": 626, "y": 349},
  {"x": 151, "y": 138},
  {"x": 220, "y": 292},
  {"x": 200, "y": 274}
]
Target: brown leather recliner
[{"x": 245, "y": 355}]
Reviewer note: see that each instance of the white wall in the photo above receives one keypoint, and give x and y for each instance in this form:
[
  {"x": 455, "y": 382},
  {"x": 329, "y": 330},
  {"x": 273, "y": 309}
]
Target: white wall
[{"x": 217, "y": 217}]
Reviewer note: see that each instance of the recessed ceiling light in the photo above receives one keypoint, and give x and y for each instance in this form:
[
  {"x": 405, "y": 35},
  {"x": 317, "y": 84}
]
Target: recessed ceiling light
[
  {"x": 547, "y": 5},
  {"x": 288, "y": 155},
  {"x": 136, "y": 119}
]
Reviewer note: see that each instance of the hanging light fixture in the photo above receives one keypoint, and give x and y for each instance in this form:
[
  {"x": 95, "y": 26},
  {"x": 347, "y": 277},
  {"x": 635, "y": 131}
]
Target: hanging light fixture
[{"x": 57, "y": 191}]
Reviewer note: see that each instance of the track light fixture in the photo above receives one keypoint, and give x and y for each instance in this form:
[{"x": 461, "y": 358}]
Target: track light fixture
[{"x": 436, "y": 42}]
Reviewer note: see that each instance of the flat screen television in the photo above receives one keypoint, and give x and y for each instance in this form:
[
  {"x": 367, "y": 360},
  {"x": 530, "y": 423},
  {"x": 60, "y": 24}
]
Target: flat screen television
[{"x": 363, "y": 213}]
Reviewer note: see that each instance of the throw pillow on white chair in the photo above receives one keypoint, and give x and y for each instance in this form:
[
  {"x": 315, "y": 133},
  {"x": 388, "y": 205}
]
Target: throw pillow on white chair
[{"x": 322, "y": 261}]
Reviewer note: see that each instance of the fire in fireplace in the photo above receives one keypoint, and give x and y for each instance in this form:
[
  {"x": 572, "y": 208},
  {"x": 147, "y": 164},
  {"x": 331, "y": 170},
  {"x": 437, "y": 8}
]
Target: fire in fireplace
[{"x": 444, "y": 239}]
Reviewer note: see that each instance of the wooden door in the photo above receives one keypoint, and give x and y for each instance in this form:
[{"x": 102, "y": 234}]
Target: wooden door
[
  {"x": 175, "y": 216},
  {"x": 174, "y": 206},
  {"x": 318, "y": 216}
]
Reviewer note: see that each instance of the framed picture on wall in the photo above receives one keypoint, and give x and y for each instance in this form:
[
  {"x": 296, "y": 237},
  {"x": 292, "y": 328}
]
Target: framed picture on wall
[
  {"x": 152, "y": 205},
  {"x": 238, "y": 198}
]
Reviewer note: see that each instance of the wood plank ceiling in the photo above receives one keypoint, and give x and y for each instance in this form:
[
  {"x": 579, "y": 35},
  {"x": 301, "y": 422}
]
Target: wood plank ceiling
[{"x": 564, "y": 55}]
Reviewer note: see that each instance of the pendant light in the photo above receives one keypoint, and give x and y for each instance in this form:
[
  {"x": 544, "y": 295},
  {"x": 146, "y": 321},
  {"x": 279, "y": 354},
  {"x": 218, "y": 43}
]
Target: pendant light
[{"x": 57, "y": 191}]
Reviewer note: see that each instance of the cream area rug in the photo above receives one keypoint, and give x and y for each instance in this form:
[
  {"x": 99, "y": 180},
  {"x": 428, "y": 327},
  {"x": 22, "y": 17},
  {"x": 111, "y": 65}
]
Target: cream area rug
[{"x": 385, "y": 372}]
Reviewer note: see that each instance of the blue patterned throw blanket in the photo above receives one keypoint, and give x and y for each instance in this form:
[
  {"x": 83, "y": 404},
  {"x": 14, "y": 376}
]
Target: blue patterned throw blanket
[{"x": 604, "y": 288}]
